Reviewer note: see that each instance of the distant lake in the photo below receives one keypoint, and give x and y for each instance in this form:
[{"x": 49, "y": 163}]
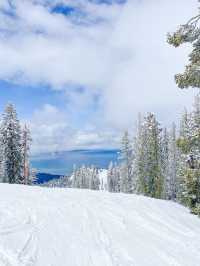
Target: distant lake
[{"x": 62, "y": 162}]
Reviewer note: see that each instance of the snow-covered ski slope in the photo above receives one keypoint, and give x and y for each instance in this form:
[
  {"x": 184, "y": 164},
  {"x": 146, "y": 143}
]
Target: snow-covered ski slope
[{"x": 69, "y": 227}]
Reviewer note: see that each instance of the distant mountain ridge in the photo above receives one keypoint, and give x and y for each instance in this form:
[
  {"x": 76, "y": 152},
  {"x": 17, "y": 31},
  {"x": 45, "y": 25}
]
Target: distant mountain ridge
[{"x": 45, "y": 177}]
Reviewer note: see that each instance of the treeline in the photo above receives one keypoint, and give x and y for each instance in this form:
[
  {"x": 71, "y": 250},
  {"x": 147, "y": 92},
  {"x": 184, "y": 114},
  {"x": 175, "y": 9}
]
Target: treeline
[
  {"x": 86, "y": 177},
  {"x": 14, "y": 150},
  {"x": 161, "y": 163},
  {"x": 157, "y": 162},
  {"x": 82, "y": 177}
]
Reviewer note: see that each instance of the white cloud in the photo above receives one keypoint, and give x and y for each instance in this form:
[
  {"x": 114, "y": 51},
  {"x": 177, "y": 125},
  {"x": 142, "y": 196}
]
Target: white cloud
[
  {"x": 125, "y": 59},
  {"x": 51, "y": 131}
]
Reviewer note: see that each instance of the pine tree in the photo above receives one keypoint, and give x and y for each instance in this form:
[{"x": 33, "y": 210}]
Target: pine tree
[
  {"x": 28, "y": 174},
  {"x": 173, "y": 164},
  {"x": 74, "y": 177},
  {"x": 94, "y": 179},
  {"x": 110, "y": 178},
  {"x": 183, "y": 144},
  {"x": 148, "y": 162},
  {"x": 83, "y": 177},
  {"x": 188, "y": 33},
  {"x": 113, "y": 178},
  {"x": 116, "y": 174},
  {"x": 11, "y": 146},
  {"x": 195, "y": 124},
  {"x": 126, "y": 178},
  {"x": 1, "y": 162},
  {"x": 32, "y": 177},
  {"x": 139, "y": 149},
  {"x": 165, "y": 163},
  {"x": 189, "y": 170}
]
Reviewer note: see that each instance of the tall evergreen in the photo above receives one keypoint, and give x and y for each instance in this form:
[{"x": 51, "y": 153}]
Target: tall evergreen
[
  {"x": 148, "y": 163},
  {"x": 110, "y": 177},
  {"x": 165, "y": 162},
  {"x": 26, "y": 142},
  {"x": 173, "y": 163},
  {"x": 11, "y": 146},
  {"x": 126, "y": 176},
  {"x": 139, "y": 152},
  {"x": 113, "y": 178},
  {"x": 94, "y": 179},
  {"x": 189, "y": 172}
]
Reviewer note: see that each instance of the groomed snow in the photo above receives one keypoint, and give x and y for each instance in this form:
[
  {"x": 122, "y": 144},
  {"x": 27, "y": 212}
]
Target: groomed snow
[{"x": 69, "y": 227}]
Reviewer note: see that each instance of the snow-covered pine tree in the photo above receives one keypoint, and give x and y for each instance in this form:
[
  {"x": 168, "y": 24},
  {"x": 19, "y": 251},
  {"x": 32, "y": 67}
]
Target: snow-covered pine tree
[
  {"x": 196, "y": 127},
  {"x": 28, "y": 175},
  {"x": 1, "y": 163},
  {"x": 113, "y": 178},
  {"x": 116, "y": 174},
  {"x": 165, "y": 163},
  {"x": 173, "y": 164},
  {"x": 126, "y": 169},
  {"x": 188, "y": 33},
  {"x": 139, "y": 149},
  {"x": 76, "y": 176},
  {"x": 189, "y": 172},
  {"x": 83, "y": 177},
  {"x": 183, "y": 144},
  {"x": 148, "y": 164},
  {"x": 32, "y": 178},
  {"x": 94, "y": 179},
  {"x": 11, "y": 146},
  {"x": 110, "y": 178}
]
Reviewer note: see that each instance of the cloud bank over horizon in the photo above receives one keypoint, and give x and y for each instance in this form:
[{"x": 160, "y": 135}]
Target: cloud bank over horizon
[{"x": 106, "y": 60}]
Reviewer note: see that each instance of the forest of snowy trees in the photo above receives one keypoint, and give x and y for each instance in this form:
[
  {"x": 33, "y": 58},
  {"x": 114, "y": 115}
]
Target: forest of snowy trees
[
  {"x": 82, "y": 177},
  {"x": 157, "y": 162},
  {"x": 161, "y": 163},
  {"x": 14, "y": 150}
]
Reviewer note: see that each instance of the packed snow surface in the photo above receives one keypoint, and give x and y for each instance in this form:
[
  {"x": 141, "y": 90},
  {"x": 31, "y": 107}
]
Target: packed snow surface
[{"x": 69, "y": 227}]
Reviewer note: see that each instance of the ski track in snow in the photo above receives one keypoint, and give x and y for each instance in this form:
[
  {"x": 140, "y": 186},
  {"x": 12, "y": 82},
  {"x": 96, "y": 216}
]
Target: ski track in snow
[
  {"x": 71, "y": 227},
  {"x": 14, "y": 223}
]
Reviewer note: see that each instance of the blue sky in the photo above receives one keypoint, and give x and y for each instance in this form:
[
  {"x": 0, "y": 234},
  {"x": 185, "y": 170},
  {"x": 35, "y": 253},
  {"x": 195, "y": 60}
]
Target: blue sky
[{"x": 80, "y": 71}]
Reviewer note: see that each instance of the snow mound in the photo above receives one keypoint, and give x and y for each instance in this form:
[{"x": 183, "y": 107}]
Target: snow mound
[{"x": 71, "y": 227}]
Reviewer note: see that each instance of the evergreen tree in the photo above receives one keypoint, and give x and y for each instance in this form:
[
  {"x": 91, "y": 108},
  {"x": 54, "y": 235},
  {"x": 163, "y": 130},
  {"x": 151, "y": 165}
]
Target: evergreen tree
[
  {"x": 113, "y": 178},
  {"x": 32, "y": 177},
  {"x": 139, "y": 150},
  {"x": 173, "y": 163},
  {"x": 74, "y": 177},
  {"x": 94, "y": 179},
  {"x": 189, "y": 172},
  {"x": 83, "y": 177},
  {"x": 77, "y": 178},
  {"x": 116, "y": 174},
  {"x": 188, "y": 33},
  {"x": 11, "y": 146},
  {"x": 1, "y": 162},
  {"x": 28, "y": 174},
  {"x": 110, "y": 178},
  {"x": 126, "y": 178},
  {"x": 165, "y": 163},
  {"x": 148, "y": 163}
]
